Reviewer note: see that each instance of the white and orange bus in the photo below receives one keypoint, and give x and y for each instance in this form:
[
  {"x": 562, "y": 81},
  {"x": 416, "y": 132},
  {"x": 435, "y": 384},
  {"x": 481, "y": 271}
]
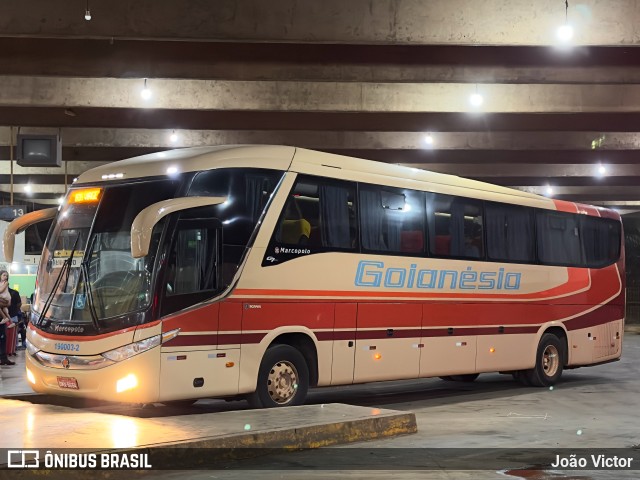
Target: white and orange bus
[{"x": 261, "y": 271}]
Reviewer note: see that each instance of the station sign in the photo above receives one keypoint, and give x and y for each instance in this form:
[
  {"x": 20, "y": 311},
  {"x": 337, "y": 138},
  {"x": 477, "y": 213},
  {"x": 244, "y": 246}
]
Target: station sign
[{"x": 11, "y": 212}]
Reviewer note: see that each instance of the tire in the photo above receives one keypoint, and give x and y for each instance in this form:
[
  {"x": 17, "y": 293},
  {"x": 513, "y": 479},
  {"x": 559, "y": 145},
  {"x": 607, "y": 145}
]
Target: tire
[
  {"x": 522, "y": 378},
  {"x": 466, "y": 378},
  {"x": 549, "y": 362},
  {"x": 283, "y": 379}
]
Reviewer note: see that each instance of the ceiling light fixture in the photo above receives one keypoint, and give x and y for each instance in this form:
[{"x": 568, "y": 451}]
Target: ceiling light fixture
[
  {"x": 565, "y": 32},
  {"x": 428, "y": 139},
  {"x": 602, "y": 170},
  {"x": 173, "y": 137},
  {"x": 476, "y": 99},
  {"x": 549, "y": 190},
  {"x": 145, "y": 93},
  {"x": 87, "y": 12},
  {"x": 27, "y": 188}
]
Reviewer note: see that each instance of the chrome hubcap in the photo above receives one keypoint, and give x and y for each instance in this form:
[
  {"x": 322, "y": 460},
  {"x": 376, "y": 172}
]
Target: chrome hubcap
[
  {"x": 550, "y": 360},
  {"x": 282, "y": 382}
]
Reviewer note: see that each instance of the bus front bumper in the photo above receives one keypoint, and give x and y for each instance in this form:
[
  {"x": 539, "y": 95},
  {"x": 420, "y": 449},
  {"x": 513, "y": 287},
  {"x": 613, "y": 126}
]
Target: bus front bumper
[{"x": 135, "y": 380}]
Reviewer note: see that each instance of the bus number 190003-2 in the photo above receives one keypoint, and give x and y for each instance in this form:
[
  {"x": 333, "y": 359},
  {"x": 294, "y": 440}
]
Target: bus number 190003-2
[{"x": 69, "y": 347}]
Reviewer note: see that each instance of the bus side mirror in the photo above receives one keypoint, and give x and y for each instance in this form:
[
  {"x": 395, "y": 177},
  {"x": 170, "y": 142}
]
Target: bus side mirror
[
  {"x": 19, "y": 225},
  {"x": 144, "y": 222}
]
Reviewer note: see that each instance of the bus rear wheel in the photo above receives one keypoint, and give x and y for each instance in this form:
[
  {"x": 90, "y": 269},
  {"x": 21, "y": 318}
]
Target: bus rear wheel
[
  {"x": 283, "y": 379},
  {"x": 549, "y": 362}
]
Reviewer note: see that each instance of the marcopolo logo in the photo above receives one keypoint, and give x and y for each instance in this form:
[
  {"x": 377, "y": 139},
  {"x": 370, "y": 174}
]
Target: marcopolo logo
[{"x": 375, "y": 274}]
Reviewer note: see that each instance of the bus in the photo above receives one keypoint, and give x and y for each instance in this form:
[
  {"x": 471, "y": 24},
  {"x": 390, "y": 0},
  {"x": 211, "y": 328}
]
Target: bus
[{"x": 258, "y": 272}]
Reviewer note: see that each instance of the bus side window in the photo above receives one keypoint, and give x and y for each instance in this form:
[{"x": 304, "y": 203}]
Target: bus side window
[
  {"x": 319, "y": 213},
  {"x": 392, "y": 220},
  {"x": 455, "y": 226},
  {"x": 510, "y": 233},
  {"x": 601, "y": 241},
  {"x": 558, "y": 238},
  {"x": 193, "y": 269}
]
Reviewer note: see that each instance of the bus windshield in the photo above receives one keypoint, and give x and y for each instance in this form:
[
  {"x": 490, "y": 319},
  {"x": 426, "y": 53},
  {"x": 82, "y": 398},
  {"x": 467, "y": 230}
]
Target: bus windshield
[
  {"x": 93, "y": 236},
  {"x": 88, "y": 281}
]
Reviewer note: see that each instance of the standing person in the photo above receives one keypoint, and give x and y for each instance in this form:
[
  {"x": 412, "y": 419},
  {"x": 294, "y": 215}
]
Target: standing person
[
  {"x": 5, "y": 297},
  {"x": 5, "y": 325},
  {"x": 4, "y": 360},
  {"x": 16, "y": 315}
]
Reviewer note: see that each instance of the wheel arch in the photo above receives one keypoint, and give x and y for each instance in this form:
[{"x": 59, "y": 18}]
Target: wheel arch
[
  {"x": 559, "y": 330},
  {"x": 297, "y": 336},
  {"x": 306, "y": 345}
]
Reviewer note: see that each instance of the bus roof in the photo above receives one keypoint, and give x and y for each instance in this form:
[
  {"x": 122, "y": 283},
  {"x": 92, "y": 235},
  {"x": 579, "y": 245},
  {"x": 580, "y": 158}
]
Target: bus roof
[
  {"x": 310, "y": 162},
  {"x": 192, "y": 159}
]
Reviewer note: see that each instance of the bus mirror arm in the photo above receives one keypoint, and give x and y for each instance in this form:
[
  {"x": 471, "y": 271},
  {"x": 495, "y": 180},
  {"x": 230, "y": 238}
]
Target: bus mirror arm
[
  {"x": 144, "y": 222},
  {"x": 19, "y": 225}
]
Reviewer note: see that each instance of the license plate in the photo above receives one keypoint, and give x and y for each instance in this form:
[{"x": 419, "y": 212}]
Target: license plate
[{"x": 68, "y": 382}]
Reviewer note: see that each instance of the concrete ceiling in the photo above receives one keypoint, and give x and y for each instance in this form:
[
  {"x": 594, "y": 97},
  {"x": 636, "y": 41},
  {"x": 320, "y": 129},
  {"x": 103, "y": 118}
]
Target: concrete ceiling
[{"x": 362, "y": 78}]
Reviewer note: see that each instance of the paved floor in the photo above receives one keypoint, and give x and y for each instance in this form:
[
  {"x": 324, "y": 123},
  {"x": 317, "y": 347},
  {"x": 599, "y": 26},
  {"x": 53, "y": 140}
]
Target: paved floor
[{"x": 594, "y": 408}]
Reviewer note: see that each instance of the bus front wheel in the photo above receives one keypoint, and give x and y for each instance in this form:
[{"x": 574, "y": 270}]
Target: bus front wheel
[
  {"x": 549, "y": 362},
  {"x": 283, "y": 379}
]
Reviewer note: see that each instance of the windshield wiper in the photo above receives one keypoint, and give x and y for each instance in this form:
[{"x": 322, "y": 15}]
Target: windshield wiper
[
  {"x": 89, "y": 292},
  {"x": 66, "y": 267}
]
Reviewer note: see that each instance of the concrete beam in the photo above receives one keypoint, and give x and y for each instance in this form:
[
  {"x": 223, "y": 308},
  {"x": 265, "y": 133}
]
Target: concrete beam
[
  {"x": 495, "y": 22},
  {"x": 334, "y": 140},
  {"x": 315, "y": 96},
  {"x": 36, "y": 189},
  {"x": 327, "y": 63},
  {"x": 73, "y": 169}
]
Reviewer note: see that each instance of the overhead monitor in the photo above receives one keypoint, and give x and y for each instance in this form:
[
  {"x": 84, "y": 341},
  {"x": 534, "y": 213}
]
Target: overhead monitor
[{"x": 39, "y": 150}]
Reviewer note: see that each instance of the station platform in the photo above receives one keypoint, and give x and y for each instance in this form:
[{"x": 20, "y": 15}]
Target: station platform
[{"x": 37, "y": 422}]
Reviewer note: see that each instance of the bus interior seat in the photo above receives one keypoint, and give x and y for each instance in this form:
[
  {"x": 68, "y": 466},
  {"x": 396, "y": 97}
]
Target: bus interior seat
[
  {"x": 295, "y": 231},
  {"x": 442, "y": 244},
  {"x": 411, "y": 241},
  {"x": 315, "y": 237}
]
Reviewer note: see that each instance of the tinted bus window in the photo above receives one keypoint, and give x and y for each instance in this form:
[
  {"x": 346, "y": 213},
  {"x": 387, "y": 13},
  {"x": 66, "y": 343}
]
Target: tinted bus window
[
  {"x": 510, "y": 233},
  {"x": 455, "y": 226},
  {"x": 601, "y": 241},
  {"x": 247, "y": 191},
  {"x": 392, "y": 220},
  {"x": 319, "y": 213},
  {"x": 558, "y": 236}
]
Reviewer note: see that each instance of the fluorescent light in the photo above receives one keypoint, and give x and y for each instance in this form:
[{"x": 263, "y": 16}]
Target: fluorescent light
[
  {"x": 565, "y": 33},
  {"x": 145, "y": 93},
  {"x": 476, "y": 99},
  {"x": 428, "y": 139}
]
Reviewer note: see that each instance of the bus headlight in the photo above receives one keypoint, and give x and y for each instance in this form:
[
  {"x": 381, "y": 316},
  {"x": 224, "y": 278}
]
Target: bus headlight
[
  {"x": 31, "y": 377},
  {"x": 122, "y": 353},
  {"x": 126, "y": 383},
  {"x": 31, "y": 348}
]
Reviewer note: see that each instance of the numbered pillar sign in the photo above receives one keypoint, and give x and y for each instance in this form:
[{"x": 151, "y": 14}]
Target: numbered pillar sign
[{"x": 11, "y": 212}]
